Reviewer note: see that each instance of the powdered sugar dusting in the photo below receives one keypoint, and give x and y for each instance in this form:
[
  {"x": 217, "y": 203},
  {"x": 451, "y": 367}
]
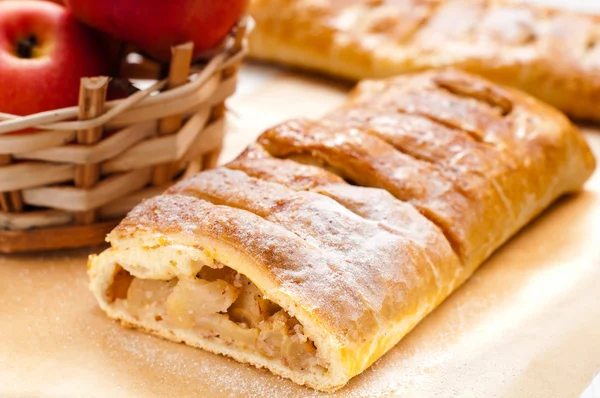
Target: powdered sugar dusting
[{"x": 195, "y": 368}]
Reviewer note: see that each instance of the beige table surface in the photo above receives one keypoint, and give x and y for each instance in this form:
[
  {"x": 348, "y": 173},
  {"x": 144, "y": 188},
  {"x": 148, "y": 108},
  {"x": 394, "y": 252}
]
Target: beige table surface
[{"x": 526, "y": 325}]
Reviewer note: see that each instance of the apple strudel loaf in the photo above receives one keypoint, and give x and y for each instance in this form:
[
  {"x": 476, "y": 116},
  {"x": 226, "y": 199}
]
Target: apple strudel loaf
[{"x": 323, "y": 244}]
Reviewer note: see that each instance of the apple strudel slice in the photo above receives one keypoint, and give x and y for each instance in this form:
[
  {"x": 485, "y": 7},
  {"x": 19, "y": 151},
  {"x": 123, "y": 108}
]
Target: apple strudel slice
[
  {"x": 326, "y": 242},
  {"x": 552, "y": 54}
]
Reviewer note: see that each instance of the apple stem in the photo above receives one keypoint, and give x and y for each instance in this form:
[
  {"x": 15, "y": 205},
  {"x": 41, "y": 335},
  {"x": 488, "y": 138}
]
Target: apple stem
[{"x": 25, "y": 47}]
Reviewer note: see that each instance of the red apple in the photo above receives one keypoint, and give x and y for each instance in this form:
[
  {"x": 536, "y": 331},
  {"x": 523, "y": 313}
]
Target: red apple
[
  {"x": 44, "y": 52},
  {"x": 156, "y": 25}
]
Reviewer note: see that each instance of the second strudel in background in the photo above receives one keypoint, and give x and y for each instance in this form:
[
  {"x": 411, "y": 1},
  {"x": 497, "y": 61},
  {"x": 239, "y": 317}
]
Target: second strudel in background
[{"x": 552, "y": 54}]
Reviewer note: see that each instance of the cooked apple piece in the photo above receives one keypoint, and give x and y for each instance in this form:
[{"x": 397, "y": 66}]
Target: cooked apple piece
[
  {"x": 273, "y": 332},
  {"x": 148, "y": 294},
  {"x": 246, "y": 309},
  {"x": 299, "y": 355},
  {"x": 250, "y": 308},
  {"x": 281, "y": 336},
  {"x": 217, "y": 325},
  {"x": 298, "y": 351},
  {"x": 193, "y": 297}
]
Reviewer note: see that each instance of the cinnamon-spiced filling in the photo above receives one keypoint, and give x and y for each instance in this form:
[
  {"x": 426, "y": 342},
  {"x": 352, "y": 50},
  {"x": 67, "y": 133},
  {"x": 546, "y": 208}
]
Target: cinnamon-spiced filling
[{"x": 219, "y": 304}]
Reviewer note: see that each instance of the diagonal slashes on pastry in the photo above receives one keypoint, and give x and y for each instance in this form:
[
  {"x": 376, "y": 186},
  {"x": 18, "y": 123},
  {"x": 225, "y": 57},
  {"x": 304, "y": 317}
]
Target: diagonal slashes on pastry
[
  {"x": 552, "y": 54},
  {"x": 325, "y": 242}
]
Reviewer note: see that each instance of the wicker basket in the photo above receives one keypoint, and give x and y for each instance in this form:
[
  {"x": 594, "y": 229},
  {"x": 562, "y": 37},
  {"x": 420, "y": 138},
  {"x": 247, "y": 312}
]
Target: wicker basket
[{"x": 67, "y": 182}]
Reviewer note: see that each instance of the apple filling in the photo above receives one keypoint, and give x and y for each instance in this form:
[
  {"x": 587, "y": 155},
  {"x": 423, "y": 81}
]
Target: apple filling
[{"x": 219, "y": 304}]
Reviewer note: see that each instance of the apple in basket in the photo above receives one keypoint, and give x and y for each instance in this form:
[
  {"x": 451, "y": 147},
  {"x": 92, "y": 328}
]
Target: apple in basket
[
  {"x": 44, "y": 52},
  {"x": 156, "y": 25}
]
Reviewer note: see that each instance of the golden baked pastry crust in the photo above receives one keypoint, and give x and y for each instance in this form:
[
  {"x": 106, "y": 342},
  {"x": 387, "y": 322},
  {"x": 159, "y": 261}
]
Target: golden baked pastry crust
[
  {"x": 552, "y": 54},
  {"x": 359, "y": 224}
]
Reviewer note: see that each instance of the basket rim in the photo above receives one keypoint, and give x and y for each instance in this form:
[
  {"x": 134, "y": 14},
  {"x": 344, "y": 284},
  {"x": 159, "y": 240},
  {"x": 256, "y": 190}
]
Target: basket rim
[{"x": 232, "y": 53}]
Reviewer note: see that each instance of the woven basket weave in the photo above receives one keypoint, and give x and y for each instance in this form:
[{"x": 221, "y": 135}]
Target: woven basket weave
[{"x": 76, "y": 171}]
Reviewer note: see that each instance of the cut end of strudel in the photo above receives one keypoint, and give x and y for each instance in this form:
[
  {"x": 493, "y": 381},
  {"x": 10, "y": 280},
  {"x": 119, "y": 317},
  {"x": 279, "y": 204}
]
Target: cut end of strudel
[
  {"x": 201, "y": 289},
  {"x": 327, "y": 241}
]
